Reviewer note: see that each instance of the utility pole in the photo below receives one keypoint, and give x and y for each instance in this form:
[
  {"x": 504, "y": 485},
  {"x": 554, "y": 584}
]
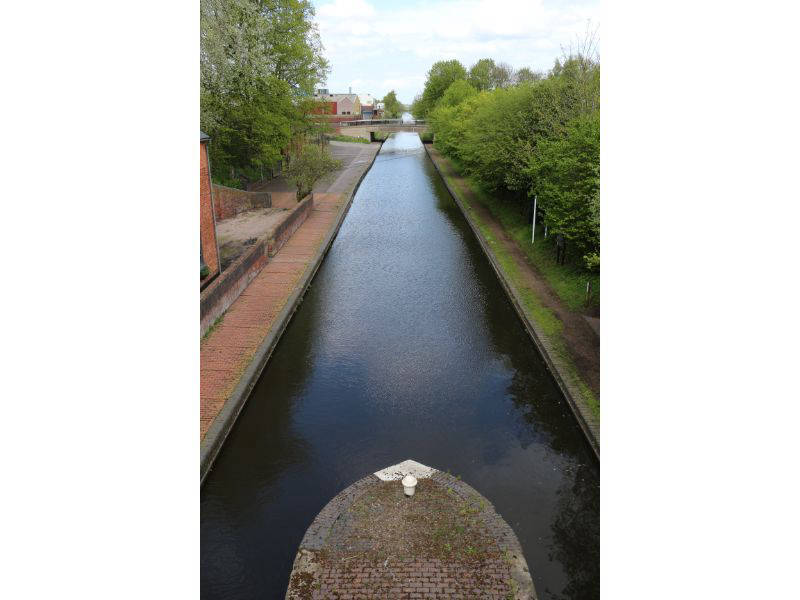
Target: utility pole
[{"x": 533, "y": 221}]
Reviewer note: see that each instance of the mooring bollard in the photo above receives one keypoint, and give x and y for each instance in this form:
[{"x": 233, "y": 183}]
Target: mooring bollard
[{"x": 409, "y": 483}]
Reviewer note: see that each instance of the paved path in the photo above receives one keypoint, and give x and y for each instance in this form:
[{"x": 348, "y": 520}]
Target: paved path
[{"x": 229, "y": 349}]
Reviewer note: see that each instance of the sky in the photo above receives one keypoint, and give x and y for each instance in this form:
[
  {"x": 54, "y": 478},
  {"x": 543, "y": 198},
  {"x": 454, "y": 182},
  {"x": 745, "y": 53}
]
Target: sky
[{"x": 374, "y": 46}]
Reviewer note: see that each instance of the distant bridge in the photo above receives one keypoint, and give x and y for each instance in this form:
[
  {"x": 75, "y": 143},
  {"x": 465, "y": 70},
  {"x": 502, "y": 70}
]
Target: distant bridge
[{"x": 367, "y": 127}]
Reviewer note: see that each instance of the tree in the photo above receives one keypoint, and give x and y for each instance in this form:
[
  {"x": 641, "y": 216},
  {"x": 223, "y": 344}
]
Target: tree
[
  {"x": 440, "y": 76},
  {"x": 501, "y": 75},
  {"x": 258, "y": 60},
  {"x": 525, "y": 75},
  {"x": 308, "y": 166},
  {"x": 392, "y": 106},
  {"x": 480, "y": 75},
  {"x": 566, "y": 175}
]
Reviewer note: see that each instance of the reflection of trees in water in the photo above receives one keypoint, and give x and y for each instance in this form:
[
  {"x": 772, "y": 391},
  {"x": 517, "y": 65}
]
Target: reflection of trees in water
[{"x": 576, "y": 534}]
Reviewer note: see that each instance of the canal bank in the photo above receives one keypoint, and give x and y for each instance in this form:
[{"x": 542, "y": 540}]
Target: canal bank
[
  {"x": 566, "y": 375},
  {"x": 234, "y": 354},
  {"x": 405, "y": 345}
]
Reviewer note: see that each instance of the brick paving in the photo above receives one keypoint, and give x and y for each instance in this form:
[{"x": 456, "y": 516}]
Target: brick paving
[
  {"x": 415, "y": 578},
  {"x": 344, "y": 555},
  {"x": 228, "y": 350}
]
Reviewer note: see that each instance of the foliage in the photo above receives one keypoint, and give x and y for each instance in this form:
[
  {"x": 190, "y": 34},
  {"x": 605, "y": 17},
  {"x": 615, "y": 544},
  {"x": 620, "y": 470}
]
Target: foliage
[
  {"x": 392, "y": 107},
  {"x": 259, "y": 62},
  {"x": 501, "y": 75},
  {"x": 440, "y": 76},
  {"x": 308, "y": 166},
  {"x": 526, "y": 75},
  {"x": 537, "y": 136},
  {"x": 480, "y": 74},
  {"x": 566, "y": 171}
]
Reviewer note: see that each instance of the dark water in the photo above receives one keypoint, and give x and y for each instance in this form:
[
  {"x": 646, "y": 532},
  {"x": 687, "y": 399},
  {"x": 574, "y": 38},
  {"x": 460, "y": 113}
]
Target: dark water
[{"x": 405, "y": 347}]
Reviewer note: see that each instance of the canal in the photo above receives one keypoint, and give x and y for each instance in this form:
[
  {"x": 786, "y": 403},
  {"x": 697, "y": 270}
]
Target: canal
[{"x": 405, "y": 346}]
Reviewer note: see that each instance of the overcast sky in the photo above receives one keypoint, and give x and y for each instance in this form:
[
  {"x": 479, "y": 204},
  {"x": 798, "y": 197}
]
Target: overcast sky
[{"x": 378, "y": 45}]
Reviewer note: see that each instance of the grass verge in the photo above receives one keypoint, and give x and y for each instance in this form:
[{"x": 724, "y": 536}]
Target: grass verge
[
  {"x": 568, "y": 280},
  {"x": 348, "y": 138}
]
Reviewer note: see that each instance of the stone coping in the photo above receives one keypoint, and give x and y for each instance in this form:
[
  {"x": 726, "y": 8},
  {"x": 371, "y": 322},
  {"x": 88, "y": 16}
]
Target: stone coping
[{"x": 408, "y": 577}]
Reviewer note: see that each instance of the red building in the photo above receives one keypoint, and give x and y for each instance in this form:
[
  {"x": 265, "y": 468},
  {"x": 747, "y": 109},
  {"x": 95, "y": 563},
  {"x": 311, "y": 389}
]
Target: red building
[{"x": 324, "y": 108}]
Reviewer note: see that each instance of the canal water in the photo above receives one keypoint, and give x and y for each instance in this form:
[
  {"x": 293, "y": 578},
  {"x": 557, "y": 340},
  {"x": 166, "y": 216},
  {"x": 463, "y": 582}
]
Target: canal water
[{"x": 405, "y": 347}]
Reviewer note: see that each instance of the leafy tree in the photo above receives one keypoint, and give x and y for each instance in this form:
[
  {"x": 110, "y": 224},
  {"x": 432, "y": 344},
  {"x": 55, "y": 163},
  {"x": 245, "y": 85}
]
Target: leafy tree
[
  {"x": 480, "y": 74},
  {"x": 566, "y": 175},
  {"x": 540, "y": 136},
  {"x": 440, "y": 76},
  {"x": 392, "y": 106},
  {"x": 525, "y": 75},
  {"x": 451, "y": 124},
  {"x": 258, "y": 60},
  {"x": 308, "y": 166},
  {"x": 416, "y": 106},
  {"x": 501, "y": 75}
]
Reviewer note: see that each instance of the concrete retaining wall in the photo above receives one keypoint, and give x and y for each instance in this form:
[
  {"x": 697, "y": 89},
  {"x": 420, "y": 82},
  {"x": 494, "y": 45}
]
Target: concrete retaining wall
[{"x": 229, "y": 202}]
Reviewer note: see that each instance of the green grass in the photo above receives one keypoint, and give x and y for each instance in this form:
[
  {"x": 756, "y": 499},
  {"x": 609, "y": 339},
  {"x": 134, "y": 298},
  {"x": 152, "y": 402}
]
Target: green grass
[
  {"x": 568, "y": 280},
  {"x": 381, "y": 136},
  {"x": 213, "y": 327},
  {"x": 348, "y": 138}
]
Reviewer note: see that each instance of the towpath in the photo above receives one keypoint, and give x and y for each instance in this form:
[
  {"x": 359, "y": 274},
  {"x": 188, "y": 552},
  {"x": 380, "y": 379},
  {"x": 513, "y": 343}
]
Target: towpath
[{"x": 228, "y": 350}]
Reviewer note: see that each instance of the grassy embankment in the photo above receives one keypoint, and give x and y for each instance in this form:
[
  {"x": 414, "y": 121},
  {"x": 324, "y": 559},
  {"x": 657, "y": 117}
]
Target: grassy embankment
[
  {"x": 568, "y": 281},
  {"x": 347, "y": 138}
]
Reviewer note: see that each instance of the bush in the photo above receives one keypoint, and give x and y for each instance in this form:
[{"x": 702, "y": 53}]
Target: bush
[{"x": 308, "y": 166}]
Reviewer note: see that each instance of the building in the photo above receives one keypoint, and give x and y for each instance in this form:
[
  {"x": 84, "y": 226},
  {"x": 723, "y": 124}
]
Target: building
[
  {"x": 343, "y": 104},
  {"x": 209, "y": 251}
]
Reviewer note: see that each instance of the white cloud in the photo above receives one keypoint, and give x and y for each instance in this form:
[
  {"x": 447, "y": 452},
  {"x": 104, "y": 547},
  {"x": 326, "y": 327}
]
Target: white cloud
[{"x": 393, "y": 47}]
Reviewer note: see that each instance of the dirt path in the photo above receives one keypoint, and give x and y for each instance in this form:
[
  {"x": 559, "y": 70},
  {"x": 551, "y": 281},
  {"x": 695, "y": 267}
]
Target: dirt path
[{"x": 582, "y": 343}]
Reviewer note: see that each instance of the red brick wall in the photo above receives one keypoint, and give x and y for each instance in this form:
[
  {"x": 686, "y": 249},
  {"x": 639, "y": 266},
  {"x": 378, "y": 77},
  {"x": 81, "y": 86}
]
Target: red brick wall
[
  {"x": 284, "y": 231},
  {"x": 229, "y": 202},
  {"x": 208, "y": 232}
]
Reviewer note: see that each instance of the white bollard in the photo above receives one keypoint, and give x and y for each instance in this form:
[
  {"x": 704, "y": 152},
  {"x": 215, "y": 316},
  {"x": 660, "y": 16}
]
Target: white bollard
[{"x": 409, "y": 483}]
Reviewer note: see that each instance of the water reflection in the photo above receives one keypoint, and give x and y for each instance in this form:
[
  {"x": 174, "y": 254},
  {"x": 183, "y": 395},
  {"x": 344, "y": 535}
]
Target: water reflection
[{"x": 404, "y": 347}]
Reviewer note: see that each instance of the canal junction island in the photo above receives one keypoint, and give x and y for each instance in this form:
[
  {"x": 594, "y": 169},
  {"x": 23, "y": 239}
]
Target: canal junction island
[{"x": 444, "y": 540}]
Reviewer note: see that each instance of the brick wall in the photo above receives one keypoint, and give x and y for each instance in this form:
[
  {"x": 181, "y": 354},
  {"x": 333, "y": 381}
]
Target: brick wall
[
  {"x": 208, "y": 232},
  {"x": 217, "y": 297},
  {"x": 284, "y": 230},
  {"x": 229, "y": 202}
]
